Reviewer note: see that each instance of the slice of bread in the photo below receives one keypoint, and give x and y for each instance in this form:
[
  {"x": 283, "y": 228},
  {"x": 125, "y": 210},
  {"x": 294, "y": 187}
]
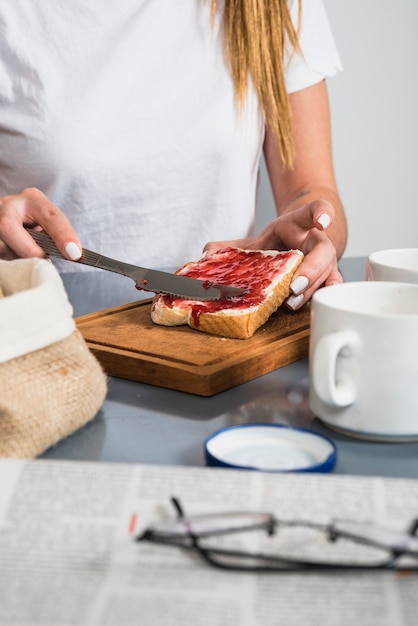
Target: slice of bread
[{"x": 266, "y": 274}]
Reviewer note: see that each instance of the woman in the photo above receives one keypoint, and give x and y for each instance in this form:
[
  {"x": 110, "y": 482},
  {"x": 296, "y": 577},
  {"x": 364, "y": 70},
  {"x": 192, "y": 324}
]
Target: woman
[{"x": 137, "y": 129}]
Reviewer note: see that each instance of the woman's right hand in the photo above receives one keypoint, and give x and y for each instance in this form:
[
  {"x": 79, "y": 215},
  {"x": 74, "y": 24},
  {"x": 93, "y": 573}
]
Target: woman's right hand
[{"x": 32, "y": 208}]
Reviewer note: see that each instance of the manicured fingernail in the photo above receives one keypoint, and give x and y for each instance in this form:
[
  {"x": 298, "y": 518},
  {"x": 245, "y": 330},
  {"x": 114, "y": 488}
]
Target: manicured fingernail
[
  {"x": 324, "y": 220},
  {"x": 73, "y": 251},
  {"x": 299, "y": 284},
  {"x": 295, "y": 301}
]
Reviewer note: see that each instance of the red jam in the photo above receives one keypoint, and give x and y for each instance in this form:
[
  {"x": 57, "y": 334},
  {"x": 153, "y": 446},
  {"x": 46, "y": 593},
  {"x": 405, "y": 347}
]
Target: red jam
[
  {"x": 251, "y": 270},
  {"x": 143, "y": 282}
]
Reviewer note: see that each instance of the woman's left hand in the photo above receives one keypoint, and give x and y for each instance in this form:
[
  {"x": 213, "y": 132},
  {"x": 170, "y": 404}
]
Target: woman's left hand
[{"x": 303, "y": 229}]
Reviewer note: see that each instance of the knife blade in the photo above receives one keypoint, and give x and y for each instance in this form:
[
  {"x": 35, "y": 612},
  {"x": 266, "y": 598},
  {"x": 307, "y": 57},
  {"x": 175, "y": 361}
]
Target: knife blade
[{"x": 151, "y": 280}]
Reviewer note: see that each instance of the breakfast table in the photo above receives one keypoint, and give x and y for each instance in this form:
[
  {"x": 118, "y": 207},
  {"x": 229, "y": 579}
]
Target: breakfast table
[
  {"x": 148, "y": 424},
  {"x": 71, "y": 519}
]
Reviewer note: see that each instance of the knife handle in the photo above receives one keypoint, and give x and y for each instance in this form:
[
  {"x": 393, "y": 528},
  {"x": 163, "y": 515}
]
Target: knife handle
[
  {"x": 88, "y": 257},
  {"x": 45, "y": 242}
]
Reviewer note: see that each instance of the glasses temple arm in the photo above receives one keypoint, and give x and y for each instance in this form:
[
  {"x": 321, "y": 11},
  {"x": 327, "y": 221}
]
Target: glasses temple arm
[
  {"x": 413, "y": 529},
  {"x": 177, "y": 505}
]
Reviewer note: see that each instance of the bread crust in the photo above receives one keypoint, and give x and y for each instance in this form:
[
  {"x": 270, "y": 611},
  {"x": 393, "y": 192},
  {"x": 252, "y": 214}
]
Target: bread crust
[{"x": 235, "y": 323}]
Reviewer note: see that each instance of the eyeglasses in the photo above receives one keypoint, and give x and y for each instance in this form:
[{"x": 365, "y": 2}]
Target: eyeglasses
[{"x": 303, "y": 545}]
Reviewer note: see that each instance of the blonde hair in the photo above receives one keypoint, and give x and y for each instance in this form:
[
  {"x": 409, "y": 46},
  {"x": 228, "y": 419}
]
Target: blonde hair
[{"x": 256, "y": 35}]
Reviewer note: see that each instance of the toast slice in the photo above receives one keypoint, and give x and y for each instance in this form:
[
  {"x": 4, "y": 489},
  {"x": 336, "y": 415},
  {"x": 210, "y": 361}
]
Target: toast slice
[{"x": 266, "y": 274}]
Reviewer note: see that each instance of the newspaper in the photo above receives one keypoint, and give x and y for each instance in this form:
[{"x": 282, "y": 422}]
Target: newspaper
[{"x": 68, "y": 554}]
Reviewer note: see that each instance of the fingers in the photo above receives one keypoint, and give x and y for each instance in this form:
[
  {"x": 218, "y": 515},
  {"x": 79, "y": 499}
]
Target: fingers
[
  {"x": 249, "y": 243},
  {"x": 292, "y": 229},
  {"x": 212, "y": 246},
  {"x": 323, "y": 214},
  {"x": 6, "y": 253},
  {"x": 285, "y": 232},
  {"x": 318, "y": 214},
  {"x": 318, "y": 269},
  {"x": 334, "y": 278},
  {"x": 299, "y": 298},
  {"x": 32, "y": 208},
  {"x": 302, "y": 228}
]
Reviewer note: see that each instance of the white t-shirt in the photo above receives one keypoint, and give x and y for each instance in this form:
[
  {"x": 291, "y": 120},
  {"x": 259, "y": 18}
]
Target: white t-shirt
[{"x": 123, "y": 114}]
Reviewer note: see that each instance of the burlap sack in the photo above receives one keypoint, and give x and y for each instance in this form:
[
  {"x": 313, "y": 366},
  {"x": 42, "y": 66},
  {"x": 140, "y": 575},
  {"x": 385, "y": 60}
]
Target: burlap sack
[{"x": 50, "y": 383}]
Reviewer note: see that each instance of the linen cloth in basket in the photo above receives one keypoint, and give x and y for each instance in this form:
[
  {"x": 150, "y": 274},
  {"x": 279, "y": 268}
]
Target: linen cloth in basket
[{"x": 50, "y": 383}]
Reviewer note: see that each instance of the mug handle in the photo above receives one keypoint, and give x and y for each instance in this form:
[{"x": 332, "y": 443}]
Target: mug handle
[{"x": 337, "y": 393}]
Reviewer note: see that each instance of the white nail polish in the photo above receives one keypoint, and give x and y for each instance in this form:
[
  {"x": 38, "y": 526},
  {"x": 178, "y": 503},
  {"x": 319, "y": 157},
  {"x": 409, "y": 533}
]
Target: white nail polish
[
  {"x": 299, "y": 284},
  {"x": 324, "y": 220},
  {"x": 295, "y": 301},
  {"x": 73, "y": 251}
]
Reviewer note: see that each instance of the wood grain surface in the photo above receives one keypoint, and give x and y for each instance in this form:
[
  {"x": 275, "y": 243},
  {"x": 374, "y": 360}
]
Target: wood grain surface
[{"x": 129, "y": 345}]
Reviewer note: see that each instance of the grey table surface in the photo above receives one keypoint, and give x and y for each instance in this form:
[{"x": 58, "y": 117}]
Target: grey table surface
[{"x": 140, "y": 423}]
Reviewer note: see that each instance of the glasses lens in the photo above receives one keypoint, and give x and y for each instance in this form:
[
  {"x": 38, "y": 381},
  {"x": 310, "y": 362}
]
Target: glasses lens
[
  {"x": 206, "y": 525},
  {"x": 389, "y": 538},
  {"x": 311, "y": 544}
]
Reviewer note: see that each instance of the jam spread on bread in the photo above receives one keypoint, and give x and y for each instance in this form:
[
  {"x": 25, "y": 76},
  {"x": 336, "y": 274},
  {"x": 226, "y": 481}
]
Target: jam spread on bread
[
  {"x": 265, "y": 275},
  {"x": 251, "y": 270}
]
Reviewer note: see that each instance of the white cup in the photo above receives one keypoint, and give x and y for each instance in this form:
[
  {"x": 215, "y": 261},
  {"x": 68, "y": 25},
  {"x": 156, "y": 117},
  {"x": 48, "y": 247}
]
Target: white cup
[
  {"x": 399, "y": 265},
  {"x": 363, "y": 359}
]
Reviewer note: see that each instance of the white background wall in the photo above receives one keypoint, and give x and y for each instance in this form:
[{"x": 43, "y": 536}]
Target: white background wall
[{"x": 374, "y": 104}]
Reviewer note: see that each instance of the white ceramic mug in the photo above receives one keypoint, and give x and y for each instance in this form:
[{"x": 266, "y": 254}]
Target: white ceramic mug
[
  {"x": 399, "y": 265},
  {"x": 363, "y": 360}
]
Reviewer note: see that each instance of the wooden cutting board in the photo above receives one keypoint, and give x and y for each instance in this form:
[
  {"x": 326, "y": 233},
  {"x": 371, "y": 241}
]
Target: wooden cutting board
[{"x": 129, "y": 345}]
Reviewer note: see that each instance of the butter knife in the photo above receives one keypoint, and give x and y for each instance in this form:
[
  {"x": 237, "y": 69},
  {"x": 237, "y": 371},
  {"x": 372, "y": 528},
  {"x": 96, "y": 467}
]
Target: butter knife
[{"x": 154, "y": 281}]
